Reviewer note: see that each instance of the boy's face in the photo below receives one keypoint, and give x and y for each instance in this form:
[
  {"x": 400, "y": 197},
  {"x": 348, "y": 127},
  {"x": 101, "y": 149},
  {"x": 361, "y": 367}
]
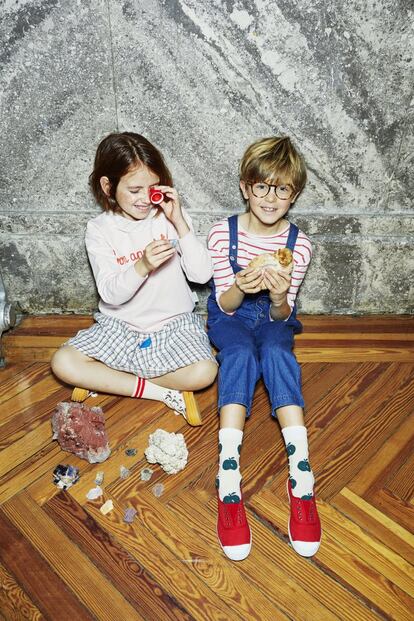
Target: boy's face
[{"x": 269, "y": 210}]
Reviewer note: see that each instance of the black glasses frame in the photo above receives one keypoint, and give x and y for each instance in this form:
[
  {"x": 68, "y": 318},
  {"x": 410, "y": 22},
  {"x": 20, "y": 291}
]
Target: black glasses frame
[{"x": 269, "y": 186}]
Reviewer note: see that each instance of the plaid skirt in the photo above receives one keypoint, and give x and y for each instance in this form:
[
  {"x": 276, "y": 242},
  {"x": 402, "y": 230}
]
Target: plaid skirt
[{"x": 179, "y": 343}]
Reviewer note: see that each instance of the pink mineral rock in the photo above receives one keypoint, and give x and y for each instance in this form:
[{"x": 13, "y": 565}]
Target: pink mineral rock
[{"x": 80, "y": 429}]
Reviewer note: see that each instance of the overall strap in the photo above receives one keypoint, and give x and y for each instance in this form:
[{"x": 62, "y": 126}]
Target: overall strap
[
  {"x": 291, "y": 241},
  {"x": 233, "y": 243},
  {"x": 293, "y": 234}
]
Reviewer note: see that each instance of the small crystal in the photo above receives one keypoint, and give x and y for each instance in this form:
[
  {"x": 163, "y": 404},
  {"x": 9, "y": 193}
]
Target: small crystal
[
  {"x": 94, "y": 493},
  {"x": 107, "y": 507},
  {"x": 124, "y": 472},
  {"x": 146, "y": 474},
  {"x": 64, "y": 476},
  {"x": 129, "y": 515},
  {"x": 99, "y": 477},
  {"x": 158, "y": 490}
]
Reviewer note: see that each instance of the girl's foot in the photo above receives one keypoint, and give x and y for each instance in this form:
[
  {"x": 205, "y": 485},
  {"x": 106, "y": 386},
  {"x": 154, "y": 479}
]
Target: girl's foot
[
  {"x": 304, "y": 525},
  {"x": 184, "y": 403},
  {"x": 175, "y": 400}
]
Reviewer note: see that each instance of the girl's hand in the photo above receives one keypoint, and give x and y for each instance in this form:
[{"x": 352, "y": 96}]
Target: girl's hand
[
  {"x": 249, "y": 280},
  {"x": 172, "y": 207},
  {"x": 277, "y": 283},
  {"x": 155, "y": 254}
]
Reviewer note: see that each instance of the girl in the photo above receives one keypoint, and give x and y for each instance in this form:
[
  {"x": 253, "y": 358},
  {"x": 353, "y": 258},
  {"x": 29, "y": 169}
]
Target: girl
[
  {"x": 147, "y": 342},
  {"x": 251, "y": 321}
]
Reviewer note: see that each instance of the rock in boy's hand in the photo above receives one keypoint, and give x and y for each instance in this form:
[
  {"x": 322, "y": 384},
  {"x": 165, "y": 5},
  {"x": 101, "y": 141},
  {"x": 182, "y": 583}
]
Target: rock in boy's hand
[
  {"x": 157, "y": 253},
  {"x": 249, "y": 280}
]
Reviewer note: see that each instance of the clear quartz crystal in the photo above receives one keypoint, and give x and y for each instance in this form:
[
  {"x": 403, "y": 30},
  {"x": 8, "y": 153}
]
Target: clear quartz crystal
[
  {"x": 146, "y": 474},
  {"x": 158, "y": 490}
]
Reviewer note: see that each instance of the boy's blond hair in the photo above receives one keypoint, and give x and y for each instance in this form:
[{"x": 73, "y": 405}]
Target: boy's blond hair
[{"x": 274, "y": 160}]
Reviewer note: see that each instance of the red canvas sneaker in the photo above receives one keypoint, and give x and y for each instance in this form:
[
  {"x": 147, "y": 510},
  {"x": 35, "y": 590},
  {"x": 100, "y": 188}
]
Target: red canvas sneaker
[
  {"x": 233, "y": 530},
  {"x": 304, "y": 524}
]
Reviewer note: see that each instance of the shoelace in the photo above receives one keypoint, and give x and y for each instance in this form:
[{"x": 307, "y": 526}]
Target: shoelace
[
  {"x": 311, "y": 512},
  {"x": 240, "y": 516},
  {"x": 299, "y": 511},
  {"x": 227, "y": 518}
]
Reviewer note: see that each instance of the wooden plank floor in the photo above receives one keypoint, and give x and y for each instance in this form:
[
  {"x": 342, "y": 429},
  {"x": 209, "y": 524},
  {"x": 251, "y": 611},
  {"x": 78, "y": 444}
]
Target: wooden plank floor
[{"x": 61, "y": 559}]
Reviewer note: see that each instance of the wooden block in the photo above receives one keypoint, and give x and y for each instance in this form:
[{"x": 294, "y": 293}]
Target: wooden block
[
  {"x": 334, "y": 339},
  {"x": 298, "y": 586},
  {"x": 348, "y": 352},
  {"x": 43, "y": 585},
  {"x": 375, "y": 523},
  {"x": 13, "y": 370},
  {"x": 401, "y": 484},
  {"x": 123, "y": 570},
  {"x": 91, "y": 587},
  {"x": 397, "y": 509},
  {"x": 30, "y": 417},
  {"x": 355, "y": 568},
  {"x": 223, "y": 578},
  {"x": 386, "y": 460},
  {"x": 352, "y": 324},
  {"x": 27, "y": 387},
  {"x": 14, "y": 603},
  {"x": 182, "y": 578}
]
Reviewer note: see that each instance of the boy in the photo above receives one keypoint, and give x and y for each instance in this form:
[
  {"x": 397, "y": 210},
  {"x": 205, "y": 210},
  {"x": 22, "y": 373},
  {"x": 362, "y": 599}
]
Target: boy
[{"x": 252, "y": 322}]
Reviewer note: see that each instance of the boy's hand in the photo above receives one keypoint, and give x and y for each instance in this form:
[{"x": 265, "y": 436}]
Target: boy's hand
[
  {"x": 277, "y": 283},
  {"x": 249, "y": 280},
  {"x": 155, "y": 254}
]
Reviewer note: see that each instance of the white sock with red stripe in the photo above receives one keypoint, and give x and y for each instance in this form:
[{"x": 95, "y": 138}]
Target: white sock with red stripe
[{"x": 145, "y": 389}]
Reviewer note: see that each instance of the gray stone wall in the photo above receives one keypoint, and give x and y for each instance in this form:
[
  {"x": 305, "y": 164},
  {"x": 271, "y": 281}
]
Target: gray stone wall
[{"x": 202, "y": 79}]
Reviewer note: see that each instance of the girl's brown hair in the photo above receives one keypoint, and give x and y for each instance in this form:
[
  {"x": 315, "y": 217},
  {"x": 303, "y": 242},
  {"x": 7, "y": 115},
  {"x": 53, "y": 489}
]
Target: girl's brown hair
[
  {"x": 273, "y": 159},
  {"x": 119, "y": 153}
]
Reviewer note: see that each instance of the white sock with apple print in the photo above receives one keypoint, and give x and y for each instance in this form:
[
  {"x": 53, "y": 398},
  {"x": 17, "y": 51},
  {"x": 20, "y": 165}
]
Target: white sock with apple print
[
  {"x": 228, "y": 476},
  {"x": 300, "y": 473}
]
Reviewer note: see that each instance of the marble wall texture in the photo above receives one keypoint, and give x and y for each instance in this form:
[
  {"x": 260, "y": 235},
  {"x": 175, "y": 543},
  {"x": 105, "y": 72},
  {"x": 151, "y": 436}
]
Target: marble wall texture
[{"x": 202, "y": 79}]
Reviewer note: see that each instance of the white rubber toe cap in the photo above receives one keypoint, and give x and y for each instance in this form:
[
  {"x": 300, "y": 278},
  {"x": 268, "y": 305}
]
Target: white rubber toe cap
[
  {"x": 237, "y": 553},
  {"x": 305, "y": 548}
]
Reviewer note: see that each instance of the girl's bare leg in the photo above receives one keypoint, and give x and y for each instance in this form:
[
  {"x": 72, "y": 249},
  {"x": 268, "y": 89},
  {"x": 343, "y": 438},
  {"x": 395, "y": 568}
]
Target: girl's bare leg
[
  {"x": 73, "y": 367},
  {"x": 193, "y": 377}
]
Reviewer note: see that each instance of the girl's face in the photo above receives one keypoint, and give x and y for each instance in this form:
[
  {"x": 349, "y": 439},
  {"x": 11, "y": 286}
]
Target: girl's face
[
  {"x": 266, "y": 213},
  {"x": 132, "y": 193}
]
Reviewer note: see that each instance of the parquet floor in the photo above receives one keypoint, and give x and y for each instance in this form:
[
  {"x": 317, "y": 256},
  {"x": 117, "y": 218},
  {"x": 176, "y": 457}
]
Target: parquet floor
[{"x": 61, "y": 559}]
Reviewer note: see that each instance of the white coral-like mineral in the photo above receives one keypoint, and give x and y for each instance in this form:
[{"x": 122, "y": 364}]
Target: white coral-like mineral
[{"x": 167, "y": 449}]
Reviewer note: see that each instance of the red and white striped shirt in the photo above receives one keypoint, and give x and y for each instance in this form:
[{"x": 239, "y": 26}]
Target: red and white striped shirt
[{"x": 250, "y": 246}]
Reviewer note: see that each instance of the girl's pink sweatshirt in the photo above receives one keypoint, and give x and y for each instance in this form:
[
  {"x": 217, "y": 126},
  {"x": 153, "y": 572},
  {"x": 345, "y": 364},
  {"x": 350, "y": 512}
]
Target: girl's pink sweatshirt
[{"x": 115, "y": 243}]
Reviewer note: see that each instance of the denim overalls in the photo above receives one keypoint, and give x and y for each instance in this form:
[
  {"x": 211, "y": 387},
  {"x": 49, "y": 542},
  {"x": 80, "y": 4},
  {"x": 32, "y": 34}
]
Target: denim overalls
[{"x": 251, "y": 345}]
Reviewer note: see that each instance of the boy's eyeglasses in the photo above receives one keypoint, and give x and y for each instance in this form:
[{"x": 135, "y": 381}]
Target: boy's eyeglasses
[{"x": 283, "y": 191}]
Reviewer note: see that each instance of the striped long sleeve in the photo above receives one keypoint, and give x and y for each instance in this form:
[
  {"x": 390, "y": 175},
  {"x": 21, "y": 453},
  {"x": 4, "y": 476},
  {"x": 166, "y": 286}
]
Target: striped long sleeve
[{"x": 250, "y": 246}]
